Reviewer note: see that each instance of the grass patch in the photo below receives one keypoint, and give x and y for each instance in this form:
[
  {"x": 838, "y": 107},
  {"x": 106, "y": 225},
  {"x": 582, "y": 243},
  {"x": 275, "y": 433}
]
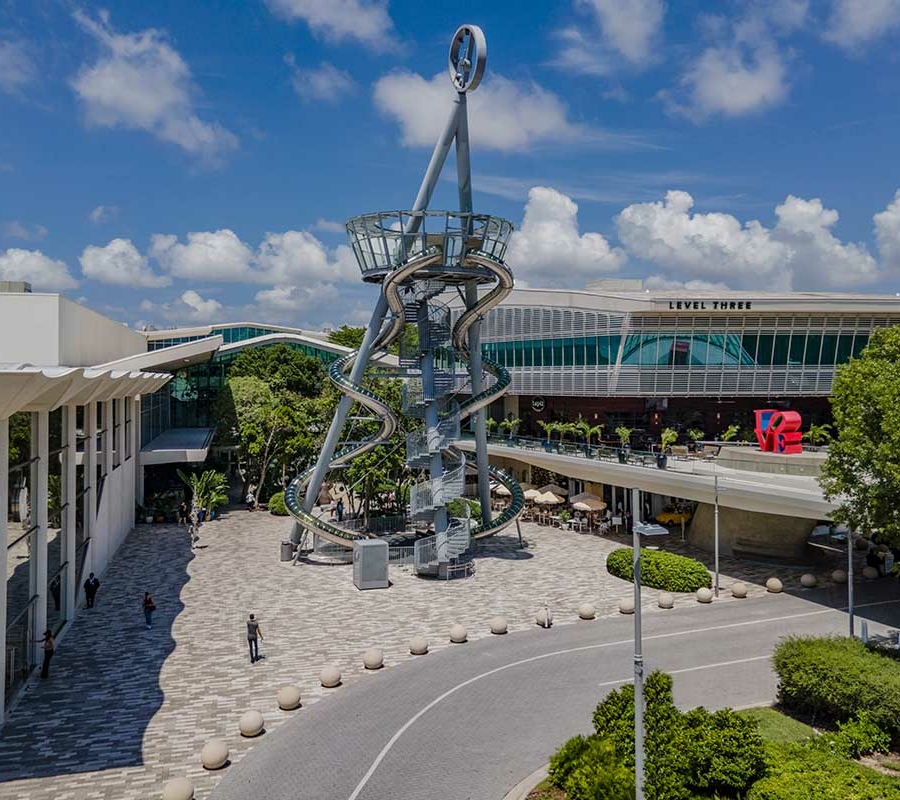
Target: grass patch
[{"x": 775, "y": 726}]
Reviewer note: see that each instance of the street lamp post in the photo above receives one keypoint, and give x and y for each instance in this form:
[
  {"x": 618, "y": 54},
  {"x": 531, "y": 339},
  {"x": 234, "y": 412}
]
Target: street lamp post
[
  {"x": 638, "y": 652},
  {"x": 716, "y": 529},
  {"x": 850, "y": 582}
]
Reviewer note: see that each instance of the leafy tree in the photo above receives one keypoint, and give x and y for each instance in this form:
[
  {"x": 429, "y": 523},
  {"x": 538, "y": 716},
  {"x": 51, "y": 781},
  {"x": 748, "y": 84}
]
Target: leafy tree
[
  {"x": 550, "y": 428},
  {"x": 695, "y": 434},
  {"x": 624, "y": 435},
  {"x": 347, "y": 336},
  {"x": 729, "y": 433},
  {"x": 594, "y": 430},
  {"x": 282, "y": 367},
  {"x": 862, "y": 471},
  {"x": 510, "y": 425},
  {"x": 19, "y": 437},
  {"x": 818, "y": 434},
  {"x": 667, "y": 438}
]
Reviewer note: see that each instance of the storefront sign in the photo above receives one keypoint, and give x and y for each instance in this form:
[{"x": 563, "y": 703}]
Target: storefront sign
[
  {"x": 537, "y": 404},
  {"x": 710, "y": 305}
]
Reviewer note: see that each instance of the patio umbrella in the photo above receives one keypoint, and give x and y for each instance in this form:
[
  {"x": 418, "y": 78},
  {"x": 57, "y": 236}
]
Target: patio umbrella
[
  {"x": 579, "y": 506},
  {"x": 526, "y": 486},
  {"x": 548, "y": 499},
  {"x": 502, "y": 491},
  {"x": 554, "y": 489},
  {"x": 532, "y": 494}
]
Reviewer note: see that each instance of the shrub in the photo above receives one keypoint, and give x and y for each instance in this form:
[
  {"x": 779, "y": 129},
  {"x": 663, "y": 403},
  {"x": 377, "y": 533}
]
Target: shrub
[
  {"x": 276, "y": 505},
  {"x": 659, "y": 570},
  {"x": 862, "y": 736},
  {"x": 805, "y": 772},
  {"x": 457, "y": 508},
  {"x": 836, "y": 679}
]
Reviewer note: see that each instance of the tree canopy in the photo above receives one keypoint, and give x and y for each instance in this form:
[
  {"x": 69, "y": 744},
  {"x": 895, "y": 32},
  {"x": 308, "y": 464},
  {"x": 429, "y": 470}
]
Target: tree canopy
[
  {"x": 862, "y": 470},
  {"x": 282, "y": 367},
  {"x": 348, "y": 336}
]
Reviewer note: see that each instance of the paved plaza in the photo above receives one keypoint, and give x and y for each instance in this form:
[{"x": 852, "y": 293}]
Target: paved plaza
[{"x": 125, "y": 709}]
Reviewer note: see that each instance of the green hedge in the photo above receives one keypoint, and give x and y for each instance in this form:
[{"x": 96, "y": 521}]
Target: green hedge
[
  {"x": 805, "y": 772},
  {"x": 457, "y": 508},
  {"x": 836, "y": 679},
  {"x": 660, "y": 570},
  {"x": 276, "y": 505}
]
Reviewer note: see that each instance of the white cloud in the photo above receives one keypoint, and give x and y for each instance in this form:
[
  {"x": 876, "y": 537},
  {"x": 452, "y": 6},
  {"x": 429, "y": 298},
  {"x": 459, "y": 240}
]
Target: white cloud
[
  {"x": 189, "y": 308},
  {"x": 142, "y": 83},
  {"x": 799, "y": 252},
  {"x": 119, "y": 263},
  {"x": 366, "y": 21},
  {"x": 291, "y": 257},
  {"x": 620, "y": 33},
  {"x": 17, "y": 69},
  {"x": 326, "y": 82},
  {"x": 887, "y": 234},
  {"x": 504, "y": 115},
  {"x": 42, "y": 272},
  {"x": 330, "y": 226},
  {"x": 103, "y": 214},
  {"x": 200, "y": 310},
  {"x": 23, "y": 231},
  {"x": 734, "y": 80},
  {"x": 549, "y": 250},
  {"x": 853, "y": 23},
  {"x": 660, "y": 282},
  {"x": 294, "y": 299}
]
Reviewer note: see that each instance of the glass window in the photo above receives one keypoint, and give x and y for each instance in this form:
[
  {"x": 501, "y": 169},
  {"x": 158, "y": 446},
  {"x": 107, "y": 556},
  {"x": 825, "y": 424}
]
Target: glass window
[
  {"x": 813, "y": 348},
  {"x": 568, "y": 352},
  {"x": 764, "y": 349},
  {"x": 798, "y": 341},
  {"x": 861, "y": 340},
  {"x": 829, "y": 346},
  {"x": 579, "y": 352},
  {"x": 557, "y": 352},
  {"x": 748, "y": 344},
  {"x": 782, "y": 344},
  {"x": 547, "y": 352},
  {"x": 845, "y": 348}
]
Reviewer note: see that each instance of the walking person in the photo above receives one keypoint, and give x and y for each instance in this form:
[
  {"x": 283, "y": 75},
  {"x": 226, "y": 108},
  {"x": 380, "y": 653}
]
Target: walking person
[
  {"x": 250, "y": 500},
  {"x": 182, "y": 512},
  {"x": 340, "y": 509},
  {"x": 149, "y": 607},
  {"x": 254, "y": 633},
  {"x": 91, "y": 585},
  {"x": 49, "y": 645}
]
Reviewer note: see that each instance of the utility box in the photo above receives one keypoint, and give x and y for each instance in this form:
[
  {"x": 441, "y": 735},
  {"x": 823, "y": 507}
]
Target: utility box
[{"x": 370, "y": 564}]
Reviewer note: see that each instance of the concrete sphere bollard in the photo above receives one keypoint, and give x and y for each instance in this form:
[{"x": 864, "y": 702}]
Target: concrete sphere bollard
[
  {"x": 704, "y": 595},
  {"x": 251, "y": 724},
  {"x": 458, "y": 634},
  {"x": 499, "y": 625},
  {"x": 666, "y": 600},
  {"x": 739, "y": 590},
  {"x": 870, "y": 573},
  {"x": 288, "y": 698},
  {"x": 586, "y": 611},
  {"x": 839, "y": 576},
  {"x": 214, "y": 754},
  {"x": 808, "y": 580},
  {"x": 626, "y": 605},
  {"x": 418, "y": 645},
  {"x": 178, "y": 789},
  {"x": 373, "y": 658},
  {"x": 544, "y": 618},
  {"x": 773, "y": 585},
  {"x": 330, "y": 676}
]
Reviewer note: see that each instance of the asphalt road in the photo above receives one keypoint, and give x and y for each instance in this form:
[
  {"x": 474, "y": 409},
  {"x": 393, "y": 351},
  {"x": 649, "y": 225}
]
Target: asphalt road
[{"x": 469, "y": 722}]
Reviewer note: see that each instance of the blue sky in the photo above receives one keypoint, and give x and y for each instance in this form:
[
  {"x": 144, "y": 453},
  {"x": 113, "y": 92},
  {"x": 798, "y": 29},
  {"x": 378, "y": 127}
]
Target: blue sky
[{"x": 176, "y": 163}]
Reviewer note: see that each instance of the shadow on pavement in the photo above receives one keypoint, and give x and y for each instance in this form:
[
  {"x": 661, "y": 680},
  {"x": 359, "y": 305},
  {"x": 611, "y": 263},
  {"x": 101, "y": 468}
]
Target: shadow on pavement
[{"x": 104, "y": 685}]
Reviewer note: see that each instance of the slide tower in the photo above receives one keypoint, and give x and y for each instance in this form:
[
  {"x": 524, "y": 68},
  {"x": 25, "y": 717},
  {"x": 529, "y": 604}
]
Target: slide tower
[{"x": 419, "y": 257}]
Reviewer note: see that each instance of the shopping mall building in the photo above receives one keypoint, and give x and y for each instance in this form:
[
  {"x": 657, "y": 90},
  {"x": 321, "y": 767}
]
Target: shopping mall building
[
  {"x": 90, "y": 408},
  {"x": 623, "y": 355}
]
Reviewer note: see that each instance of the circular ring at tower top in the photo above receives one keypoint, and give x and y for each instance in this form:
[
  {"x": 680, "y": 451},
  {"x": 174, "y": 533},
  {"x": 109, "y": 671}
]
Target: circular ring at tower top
[{"x": 468, "y": 53}]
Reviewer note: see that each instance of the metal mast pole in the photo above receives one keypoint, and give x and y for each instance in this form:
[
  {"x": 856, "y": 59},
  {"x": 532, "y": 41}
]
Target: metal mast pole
[
  {"x": 716, "y": 516},
  {"x": 638, "y": 654},
  {"x": 464, "y": 179},
  {"x": 850, "y": 582}
]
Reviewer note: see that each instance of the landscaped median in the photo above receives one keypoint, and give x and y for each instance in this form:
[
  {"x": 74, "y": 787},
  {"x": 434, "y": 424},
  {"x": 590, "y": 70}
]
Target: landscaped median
[
  {"x": 830, "y": 739},
  {"x": 659, "y": 570}
]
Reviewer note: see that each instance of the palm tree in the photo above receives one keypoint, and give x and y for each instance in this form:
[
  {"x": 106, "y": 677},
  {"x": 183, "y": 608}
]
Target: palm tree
[
  {"x": 549, "y": 428},
  {"x": 582, "y": 427},
  {"x": 594, "y": 430},
  {"x": 624, "y": 434},
  {"x": 729, "y": 433},
  {"x": 510, "y": 425},
  {"x": 490, "y": 423},
  {"x": 818, "y": 434},
  {"x": 209, "y": 489}
]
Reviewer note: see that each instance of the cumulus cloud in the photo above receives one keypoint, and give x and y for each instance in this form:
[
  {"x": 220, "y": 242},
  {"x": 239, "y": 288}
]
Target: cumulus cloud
[
  {"x": 142, "y": 83},
  {"x": 799, "y": 252},
  {"x": 853, "y": 23},
  {"x": 295, "y": 299},
  {"x": 17, "y": 68},
  {"x": 887, "y": 234},
  {"x": 103, "y": 214},
  {"x": 188, "y": 308},
  {"x": 620, "y": 34},
  {"x": 119, "y": 263},
  {"x": 208, "y": 256},
  {"x": 548, "y": 248},
  {"x": 325, "y": 83},
  {"x": 43, "y": 272},
  {"x": 23, "y": 231},
  {"x": 504, "y": 115},
  {"x": 366, "y": 21}
]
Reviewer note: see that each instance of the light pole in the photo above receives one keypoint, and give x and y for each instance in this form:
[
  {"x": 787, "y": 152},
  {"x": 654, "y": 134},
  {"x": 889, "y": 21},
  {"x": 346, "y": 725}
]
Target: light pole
[
  {"x": 850, "y": 581},
  {"x": 716, "y": 529},
  {"x": 638, "y": 651}
]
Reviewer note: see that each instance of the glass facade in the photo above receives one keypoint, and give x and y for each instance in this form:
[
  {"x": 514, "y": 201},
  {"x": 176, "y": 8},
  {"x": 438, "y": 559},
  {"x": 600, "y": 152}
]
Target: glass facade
[
  {"x": 229, "y": 333},
  {"x": 567, "y": 351}
]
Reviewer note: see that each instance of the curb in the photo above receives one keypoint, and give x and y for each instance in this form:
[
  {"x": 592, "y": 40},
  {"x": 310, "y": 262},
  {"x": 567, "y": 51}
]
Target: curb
[{"x": 522, "y": 788}]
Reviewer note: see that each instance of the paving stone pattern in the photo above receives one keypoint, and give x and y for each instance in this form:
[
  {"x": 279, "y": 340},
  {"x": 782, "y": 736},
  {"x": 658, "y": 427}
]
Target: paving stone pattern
[{"x": 125, "y": 709}]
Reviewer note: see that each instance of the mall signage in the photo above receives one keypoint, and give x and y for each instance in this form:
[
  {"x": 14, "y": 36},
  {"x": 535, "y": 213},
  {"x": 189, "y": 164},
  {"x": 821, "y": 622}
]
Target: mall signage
[
  {"x": 538, "y": 404},
  {"x": 710, "y": 305}
]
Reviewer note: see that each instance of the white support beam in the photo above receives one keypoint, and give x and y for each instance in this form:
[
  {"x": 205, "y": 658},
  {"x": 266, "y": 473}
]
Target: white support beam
[
  {"x": 120, "y": 432},
  {"x": 90, "y": 480},
  {"x": 39, "y": 505},
  {"x": 4, "y": 538},
  {"x": 109, "y": 438},
  {"x": 70, "y": 519}
]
